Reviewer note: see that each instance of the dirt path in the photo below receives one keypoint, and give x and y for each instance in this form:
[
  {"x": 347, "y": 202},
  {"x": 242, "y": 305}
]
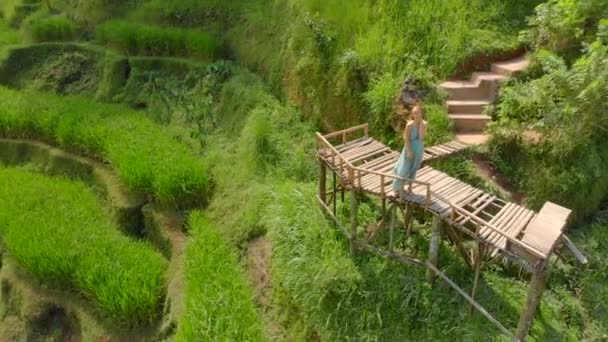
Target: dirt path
[
  {"x": 490, "y": 174},
  {"x": 258, "y": 266}
]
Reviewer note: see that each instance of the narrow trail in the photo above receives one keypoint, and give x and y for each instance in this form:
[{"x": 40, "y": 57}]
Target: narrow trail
[
  {"x": 258, "y": 267},
  {"x": 489, "y": 173}
]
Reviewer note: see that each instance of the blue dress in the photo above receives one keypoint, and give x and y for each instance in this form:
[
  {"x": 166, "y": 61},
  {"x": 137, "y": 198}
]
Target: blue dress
[{"x": 406, "y": 167}]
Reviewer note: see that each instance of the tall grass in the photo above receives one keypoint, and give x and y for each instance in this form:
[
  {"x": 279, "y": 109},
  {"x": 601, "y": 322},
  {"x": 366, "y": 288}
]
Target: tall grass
[
  {"x": 339, "y": 298},
  {"x": 57, "y": 230},
  {"x": 147, "y": 159},
  {"x": 141, "y": 39},
  {"x": 333, "y": 55},
  {"x": 219, "y": 304},
  {"x": 8, "y": 36},
  {"x": 42, "y": 27}
]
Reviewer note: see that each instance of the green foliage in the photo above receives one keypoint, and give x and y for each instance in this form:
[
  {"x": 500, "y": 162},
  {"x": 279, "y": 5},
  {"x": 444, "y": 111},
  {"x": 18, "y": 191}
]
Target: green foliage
[
  {"x": 564, "y": 25},
  {"x": 15, "y": 11},
  {"x": 258, "y": 141},
  {"x": 309, "y": 261},
  {"x": 148, "y": 40},
  {"x": 8, "y": 36},
  {"x": 219, "y": 304},
  {"x": 42, "y": 27},
  {"x": 56, "y": 230},
  {"x": 343, "y": 64},
  {"x": 565, "y": 113},
  {"x": 147, "y": 159},
  {"x": 367, "y": 298},
  {"x": 187, "y": 13},
  {"x": 439, "y": 125}
]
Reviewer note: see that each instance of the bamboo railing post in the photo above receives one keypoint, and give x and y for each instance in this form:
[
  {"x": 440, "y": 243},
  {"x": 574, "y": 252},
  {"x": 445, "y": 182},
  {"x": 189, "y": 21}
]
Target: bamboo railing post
[
  {"x": 335, "y": 197},
  {"x": 354, "y": 206},
  {"x": 322, "y": 180},
  {"x": 535, "y": 293},
  {"x": 434, "y": 247}
]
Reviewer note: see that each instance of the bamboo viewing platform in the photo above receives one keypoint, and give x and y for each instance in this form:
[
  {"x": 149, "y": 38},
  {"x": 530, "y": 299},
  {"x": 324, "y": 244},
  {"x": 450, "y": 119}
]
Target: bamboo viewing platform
[{"x": 363, "y": 165}]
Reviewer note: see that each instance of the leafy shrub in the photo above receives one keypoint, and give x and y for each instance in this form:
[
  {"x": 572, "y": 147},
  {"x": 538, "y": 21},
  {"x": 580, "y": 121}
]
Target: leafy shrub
[
  {"x": 57, "y": 231},
  {"x": 141, "y": 39},
  {"x": 187, "y": 13},
  {"x": 219, "y": 304},
  {"x": 439, "y": 125},
  {"x": 563, "y": 25},
  {"x": 15, "y": 11},
  {"x": 551, "y": 132},
  {"x": 147, "y": 158},
  {"x": 41, "y": 27}
]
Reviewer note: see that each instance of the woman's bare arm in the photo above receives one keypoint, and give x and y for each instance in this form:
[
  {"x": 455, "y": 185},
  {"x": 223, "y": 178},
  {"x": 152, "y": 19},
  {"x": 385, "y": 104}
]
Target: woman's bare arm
[{"x": 423, "y": 130}]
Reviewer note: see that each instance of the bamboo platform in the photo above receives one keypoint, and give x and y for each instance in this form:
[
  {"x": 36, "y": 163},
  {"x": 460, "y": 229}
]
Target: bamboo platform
[{"x": 364, "y": 165}]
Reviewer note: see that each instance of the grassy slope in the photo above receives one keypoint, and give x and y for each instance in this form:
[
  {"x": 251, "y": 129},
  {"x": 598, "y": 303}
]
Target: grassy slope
[
  {"x": 58, "y": 231},
  {"x": 219, "y": 305},
  {"x": 303, "y": 78}
]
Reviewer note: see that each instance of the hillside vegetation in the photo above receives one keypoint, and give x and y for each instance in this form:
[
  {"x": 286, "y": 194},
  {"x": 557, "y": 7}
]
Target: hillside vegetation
[{"x": 209, "y": 108}]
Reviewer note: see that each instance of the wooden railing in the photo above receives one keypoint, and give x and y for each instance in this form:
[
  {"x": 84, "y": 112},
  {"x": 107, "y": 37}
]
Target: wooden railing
[{"x": 355, "y": 174}]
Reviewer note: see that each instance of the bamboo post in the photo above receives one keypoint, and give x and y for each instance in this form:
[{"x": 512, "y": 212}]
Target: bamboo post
[
  {"x": 353, "y": 222},
  {"x": 335, "y": 198},
  {"x": 322, "y": 181},
  {"x": 434, "y": 247},
  {"x": 478, "y": 265},
  {"x": 535, "y": 293},
  {"x": 393, "y": 214},
  {"x": 407, "y": 220}
]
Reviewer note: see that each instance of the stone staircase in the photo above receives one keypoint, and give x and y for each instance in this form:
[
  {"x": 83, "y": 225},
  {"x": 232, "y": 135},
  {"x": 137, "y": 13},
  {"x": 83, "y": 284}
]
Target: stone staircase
[{"x": 468, "y": 98}]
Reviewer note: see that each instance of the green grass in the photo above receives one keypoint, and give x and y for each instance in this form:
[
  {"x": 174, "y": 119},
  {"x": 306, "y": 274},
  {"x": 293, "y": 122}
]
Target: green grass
[
  {"x": 58, "y": 231},
  {"x": 42, "y": 27},
  {"x": 147, "y": 159},
  {"x": 8, "y": 36},
  {"x": 336, "y": 297},
  {"x": 149, "y": 40},
  {"x": 219, "y": 303}
]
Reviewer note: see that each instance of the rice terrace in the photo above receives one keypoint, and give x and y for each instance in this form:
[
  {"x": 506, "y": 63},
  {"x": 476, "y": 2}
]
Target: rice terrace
[{"x": 303, "y": 170}]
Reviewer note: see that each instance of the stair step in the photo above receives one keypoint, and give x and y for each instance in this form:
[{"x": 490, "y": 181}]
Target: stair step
[
  {"x": 487, "y": 76},
  {"x": 482, "y": 86},
  {"x": 509, "y": 68},
  {"x": 467, "y": 106},
  {"x": 470, "y": 123},
  {"x": 472, "y": 138}
]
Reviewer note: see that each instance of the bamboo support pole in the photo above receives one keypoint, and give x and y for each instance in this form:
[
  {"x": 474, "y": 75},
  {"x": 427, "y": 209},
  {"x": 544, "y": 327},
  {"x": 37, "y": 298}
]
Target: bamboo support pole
[
  {"x": 354, "y": 206},
  {"x": 322, "y": 181},
  {"x": 535, "y": 293},
  {"x": 393, "y": 214},
  {"x": 434, "y": 247},
  {"x": 478, "y": 266}
]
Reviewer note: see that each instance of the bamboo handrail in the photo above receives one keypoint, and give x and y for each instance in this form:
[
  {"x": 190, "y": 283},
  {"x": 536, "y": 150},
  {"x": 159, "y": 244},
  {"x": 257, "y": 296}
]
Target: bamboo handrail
[
  {"x": 352, "y": 169},
  {"x": 342, "y": 133}
]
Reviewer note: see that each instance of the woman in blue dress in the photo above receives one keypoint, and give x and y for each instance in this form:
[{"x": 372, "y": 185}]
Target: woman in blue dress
[{"x": 411, "y": 157}]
